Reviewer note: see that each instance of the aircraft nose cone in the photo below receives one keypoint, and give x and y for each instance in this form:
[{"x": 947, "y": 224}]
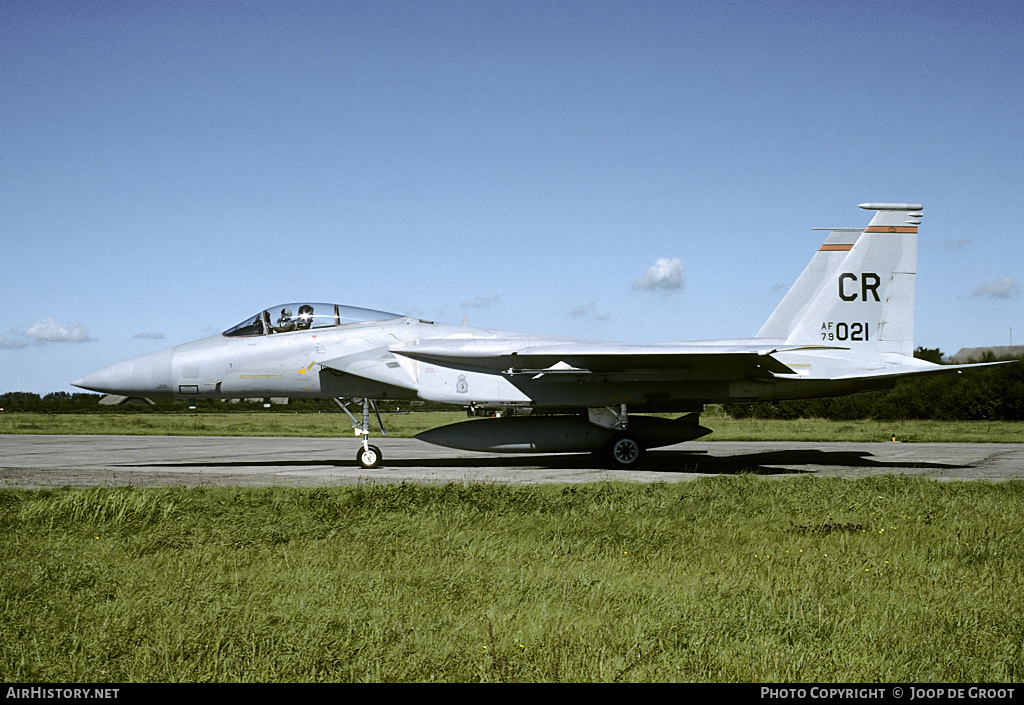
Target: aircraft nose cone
[{"x": 147, "y": 375}]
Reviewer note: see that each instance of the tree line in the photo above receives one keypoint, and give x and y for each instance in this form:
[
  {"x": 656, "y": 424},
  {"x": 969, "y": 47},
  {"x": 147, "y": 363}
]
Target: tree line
[{"x": 985, "y": 394}]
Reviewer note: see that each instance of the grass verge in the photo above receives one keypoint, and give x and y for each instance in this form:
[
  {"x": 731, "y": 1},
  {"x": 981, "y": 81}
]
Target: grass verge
[{"x": 732, "y": 578}]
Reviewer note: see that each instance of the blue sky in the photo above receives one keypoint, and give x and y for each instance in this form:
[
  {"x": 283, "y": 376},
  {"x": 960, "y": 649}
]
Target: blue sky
[{"x": 167, "y": 169}]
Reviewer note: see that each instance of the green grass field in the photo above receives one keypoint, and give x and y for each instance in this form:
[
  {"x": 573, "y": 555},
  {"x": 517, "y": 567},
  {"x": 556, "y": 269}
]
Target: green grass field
[
  {"x": 740, "y": 578},
  {"x": 733, "y": 578},
  {"x": 725, "y": 427}
]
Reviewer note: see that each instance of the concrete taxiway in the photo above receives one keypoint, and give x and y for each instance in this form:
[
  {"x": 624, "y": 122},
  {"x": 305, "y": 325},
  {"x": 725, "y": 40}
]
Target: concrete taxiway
[{"x": 29, "y": 461}]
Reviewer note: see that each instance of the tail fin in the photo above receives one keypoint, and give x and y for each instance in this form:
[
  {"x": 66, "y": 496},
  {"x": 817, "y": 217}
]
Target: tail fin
[
  {"x": 865, "y": 301},
  {"x": 801, "y": 295}
]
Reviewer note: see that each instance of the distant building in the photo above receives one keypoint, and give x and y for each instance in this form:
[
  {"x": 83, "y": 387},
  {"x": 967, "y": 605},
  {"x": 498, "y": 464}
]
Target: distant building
[{"x": 996, "y": 352}]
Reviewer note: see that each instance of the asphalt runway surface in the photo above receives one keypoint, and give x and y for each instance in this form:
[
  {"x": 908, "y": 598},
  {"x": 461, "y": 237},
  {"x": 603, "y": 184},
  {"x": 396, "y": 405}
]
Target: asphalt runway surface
[{"x": 29, "y": 461}]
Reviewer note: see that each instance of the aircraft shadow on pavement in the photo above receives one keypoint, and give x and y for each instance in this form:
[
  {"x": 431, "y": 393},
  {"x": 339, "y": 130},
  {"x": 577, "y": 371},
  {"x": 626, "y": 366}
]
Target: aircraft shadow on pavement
[
  {"x": 776, "y": 462},
  {"x": 779, "y": 462}
]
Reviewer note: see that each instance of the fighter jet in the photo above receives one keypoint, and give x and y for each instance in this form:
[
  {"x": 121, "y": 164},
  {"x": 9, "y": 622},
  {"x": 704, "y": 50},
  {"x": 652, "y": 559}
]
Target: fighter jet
[{"x": 845, "y": 326}]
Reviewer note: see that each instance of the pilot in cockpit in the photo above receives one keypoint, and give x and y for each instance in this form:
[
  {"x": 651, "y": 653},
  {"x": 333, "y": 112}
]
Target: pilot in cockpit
[
  {"x": 285, "y": 322},
  {"x": 305, "y": 317}
]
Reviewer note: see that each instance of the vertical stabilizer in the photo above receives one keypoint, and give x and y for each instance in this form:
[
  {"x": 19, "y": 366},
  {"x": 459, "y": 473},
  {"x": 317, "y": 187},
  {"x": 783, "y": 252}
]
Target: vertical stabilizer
[
  {"x": 867, "y": 302},
  {"x": 805, "y": 289}
]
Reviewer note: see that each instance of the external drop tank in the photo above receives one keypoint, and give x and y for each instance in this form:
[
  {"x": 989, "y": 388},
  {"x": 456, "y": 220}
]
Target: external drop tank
[{"x": 559, "y": 434}]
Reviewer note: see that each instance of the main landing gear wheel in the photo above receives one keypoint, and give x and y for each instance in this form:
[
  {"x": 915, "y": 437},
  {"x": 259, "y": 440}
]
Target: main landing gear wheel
[
  {"x": 369, "y": 457},
  {"x": 625, "y": 450}
]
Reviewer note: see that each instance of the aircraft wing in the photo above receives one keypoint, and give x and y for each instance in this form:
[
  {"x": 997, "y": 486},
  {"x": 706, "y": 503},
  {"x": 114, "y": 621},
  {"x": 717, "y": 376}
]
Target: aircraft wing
[
  {"x": 538, "y": 358},
  {"x": 908, "y": 370},
  {"x": 611, "y": 361}
]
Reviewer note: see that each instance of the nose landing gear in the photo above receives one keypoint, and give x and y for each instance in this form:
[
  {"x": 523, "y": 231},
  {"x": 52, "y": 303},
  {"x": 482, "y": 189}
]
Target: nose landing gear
[{"x": 369, "y": 456}]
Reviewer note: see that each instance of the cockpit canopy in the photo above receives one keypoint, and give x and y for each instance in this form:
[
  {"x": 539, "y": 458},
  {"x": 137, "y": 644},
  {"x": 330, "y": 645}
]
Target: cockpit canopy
[{"x": 291, "y": 317}]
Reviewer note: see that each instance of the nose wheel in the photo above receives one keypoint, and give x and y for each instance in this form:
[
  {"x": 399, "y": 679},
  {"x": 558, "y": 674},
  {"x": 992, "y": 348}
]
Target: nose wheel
[{"x": 369, "y": 456}]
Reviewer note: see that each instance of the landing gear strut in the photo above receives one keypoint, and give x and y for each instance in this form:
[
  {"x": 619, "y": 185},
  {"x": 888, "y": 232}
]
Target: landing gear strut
[{"x": 369, "y": 456}]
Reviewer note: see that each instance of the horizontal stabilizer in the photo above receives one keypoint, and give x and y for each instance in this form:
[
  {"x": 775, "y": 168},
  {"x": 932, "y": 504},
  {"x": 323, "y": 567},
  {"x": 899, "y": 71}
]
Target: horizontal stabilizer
[{"x": 908, "y": 370}]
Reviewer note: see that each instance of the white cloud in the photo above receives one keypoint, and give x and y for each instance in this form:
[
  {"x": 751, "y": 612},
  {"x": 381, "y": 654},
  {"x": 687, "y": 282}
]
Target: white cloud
[
  {"x": 1003, "y": 288},
  {"x": 11, "y": 343},
  {"x": 588, "y": 310},
  {"x": 952, "y": 245},
  {"x": 49, "y": 331},
  {"x": 149, "y": 336},
  {"x": 580, "y": 311},
  {"x": 665, "y": 274},
  {"x": 482, "y": 301}
]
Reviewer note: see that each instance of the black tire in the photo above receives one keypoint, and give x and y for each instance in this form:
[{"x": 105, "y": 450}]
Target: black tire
[
  {"x": 369, "y": 457},
  {"x": 625, "y": 450}
]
